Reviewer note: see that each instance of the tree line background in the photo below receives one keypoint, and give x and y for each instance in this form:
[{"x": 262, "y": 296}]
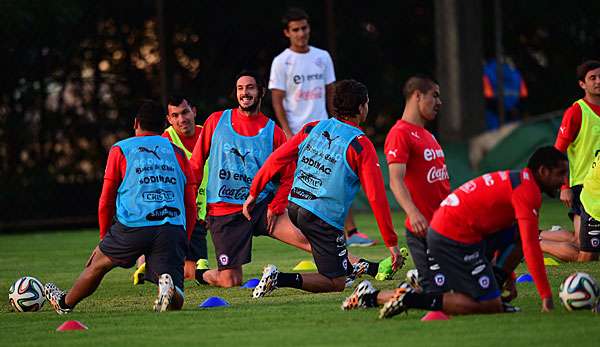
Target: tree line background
[{"x": 73, "y": 73}]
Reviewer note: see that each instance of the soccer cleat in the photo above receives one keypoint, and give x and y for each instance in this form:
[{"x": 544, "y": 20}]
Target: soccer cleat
[
  {"x": 358, "y": 270},
  {"x": 508, "y": 308},
  {"x": 202, "y": 264},
  {"x": 54, "y": 295},
  {"x": 357, "y": 240},
  {"x": 396, "y": 305},
  {"x": 412, "y": 278},
  {"x": 385, "y": 270},
  {"x": 139, "y": 275},
  {"x": 357, "y": 298},
  {"x": 268, "y": 282},
  {"x": 166, "y": 290}
]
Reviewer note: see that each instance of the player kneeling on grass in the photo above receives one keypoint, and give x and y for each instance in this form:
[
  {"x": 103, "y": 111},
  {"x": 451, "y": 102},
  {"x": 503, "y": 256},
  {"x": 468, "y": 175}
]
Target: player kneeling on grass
[
  {"x": 148, "y": 181},
  {"x": 333, "y": 158},
  {"x": 477, "y": 210}
]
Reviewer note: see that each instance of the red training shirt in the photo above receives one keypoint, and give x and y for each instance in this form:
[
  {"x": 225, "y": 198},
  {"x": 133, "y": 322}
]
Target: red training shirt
[
  {"x": 245, "y": 126},
  {"x": 570, "y": 125},
  {"x": 364, "y": 163},
  {"x": 426, "y": 175},
  {"x": 116, "y": 166},
  {"x": 488, "y": 204}
]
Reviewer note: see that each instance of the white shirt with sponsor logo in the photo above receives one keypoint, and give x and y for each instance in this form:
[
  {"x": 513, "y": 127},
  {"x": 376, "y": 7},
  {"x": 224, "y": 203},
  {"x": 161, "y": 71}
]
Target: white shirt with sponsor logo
[{"x": 303, "y": 77}]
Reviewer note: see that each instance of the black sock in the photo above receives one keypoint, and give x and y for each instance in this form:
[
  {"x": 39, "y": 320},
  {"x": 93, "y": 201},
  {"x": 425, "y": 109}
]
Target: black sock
[
  {"x": 289, "y": 280},
  {"x": 351, "y": 232},
  {"x": 430, "y": 302},
  {"x": 199, "y": 276},
  {"x": 370, "y": 299},
  {"x": 63, "y": 304},
  {"x": 373, "y": 268}
]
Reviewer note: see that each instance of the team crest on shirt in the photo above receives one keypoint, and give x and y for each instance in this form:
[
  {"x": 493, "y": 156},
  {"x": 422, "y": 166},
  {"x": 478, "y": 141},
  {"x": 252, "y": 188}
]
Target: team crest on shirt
[
  {"x": 439, "y": 279},
  {"x": 484, "y": 282},
  {"x": 223, "y": 259}
]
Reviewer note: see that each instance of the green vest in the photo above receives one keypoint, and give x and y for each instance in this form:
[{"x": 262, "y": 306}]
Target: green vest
[
  {"x": 590, "y": 194},
  {"x": 201, "y": 198},
  {"x": 582, "y": 150}
]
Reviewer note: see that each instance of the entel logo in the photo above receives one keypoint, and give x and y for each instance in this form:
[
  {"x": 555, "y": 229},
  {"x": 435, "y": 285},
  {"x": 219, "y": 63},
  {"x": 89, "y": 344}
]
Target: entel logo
[{"x": 431, "y": 154}]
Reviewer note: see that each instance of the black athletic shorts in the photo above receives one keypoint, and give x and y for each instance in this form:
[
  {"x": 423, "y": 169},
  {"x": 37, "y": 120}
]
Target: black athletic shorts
[
  {"x": 589, "y": 234},
  {"x": 163, "y": 246},
  {"x": 501, "y": 244},
  {"x": 327, "y": 242},
  {"x": 419, "y": 253},
  {"x": 461, "y": 267},
  {"x": 197, "y": 245},
  {"x": 576, "y": 208},
  {"x": 232, "y": 235}
]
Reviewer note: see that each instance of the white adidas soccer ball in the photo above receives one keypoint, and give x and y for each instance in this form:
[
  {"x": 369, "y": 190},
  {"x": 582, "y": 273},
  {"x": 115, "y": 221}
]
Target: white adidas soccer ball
[
  {"x": 579, "y": 291},
  {"x": 26, "y": 294}
]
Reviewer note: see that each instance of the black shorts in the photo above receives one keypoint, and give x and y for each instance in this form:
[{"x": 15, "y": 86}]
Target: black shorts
[
  {"x": 232, "y": 235},
  {"x": 576, "y": 208},
  {"x": 163, "y": 246},
  {"x": 462, "y": 267},
  {"x": 589, "y": 234},
  {"x": 500, "y": 244},
  {"x": 419, "y": 253},
  {"x": 327, "y": 242},
  {"x": 197, "y": 246}
]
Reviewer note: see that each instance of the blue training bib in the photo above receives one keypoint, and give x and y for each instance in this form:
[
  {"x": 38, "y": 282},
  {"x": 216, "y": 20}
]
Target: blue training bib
[{"x": 324, "y": 183}]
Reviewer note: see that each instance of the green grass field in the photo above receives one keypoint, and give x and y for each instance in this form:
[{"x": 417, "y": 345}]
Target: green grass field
[{"x": 119, "y": 314}]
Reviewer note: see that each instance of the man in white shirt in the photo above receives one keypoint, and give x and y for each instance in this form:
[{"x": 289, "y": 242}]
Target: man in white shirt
[
  {"x": 301, "y": 78},
  {"x": 301, "y": 85}
]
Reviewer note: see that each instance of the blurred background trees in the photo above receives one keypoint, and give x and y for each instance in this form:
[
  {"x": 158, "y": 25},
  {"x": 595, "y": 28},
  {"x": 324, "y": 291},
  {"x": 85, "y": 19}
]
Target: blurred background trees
[{"x": 73, "y": 73}]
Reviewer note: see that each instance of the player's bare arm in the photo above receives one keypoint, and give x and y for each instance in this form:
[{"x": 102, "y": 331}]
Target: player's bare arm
[
  {"x": 418, "y": 222},
  {"x": 277, "y": 96}
]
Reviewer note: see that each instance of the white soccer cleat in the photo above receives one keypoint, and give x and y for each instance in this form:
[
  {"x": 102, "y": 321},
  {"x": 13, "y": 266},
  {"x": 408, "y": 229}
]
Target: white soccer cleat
[
  {"x": 358, "y": 269},
  {"x": 166, "y": 290},
  {"x": 53, "y": 294},
  {"x": 268, "y": 282},
  {"x": 357, "y": 298},
  {"x": 412, "y": 277}
]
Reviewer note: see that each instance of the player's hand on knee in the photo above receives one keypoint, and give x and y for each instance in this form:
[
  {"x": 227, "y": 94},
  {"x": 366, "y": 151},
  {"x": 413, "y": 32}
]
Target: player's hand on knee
[{"x": 248, "y": 206}]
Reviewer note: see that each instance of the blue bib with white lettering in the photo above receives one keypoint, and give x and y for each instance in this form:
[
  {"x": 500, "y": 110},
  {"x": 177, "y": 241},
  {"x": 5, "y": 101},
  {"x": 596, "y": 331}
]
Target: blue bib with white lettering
[
  {"x": 234, "y": 160},
  {"x": 324, "y": 183},
  {"x": 152, "y": 191}
]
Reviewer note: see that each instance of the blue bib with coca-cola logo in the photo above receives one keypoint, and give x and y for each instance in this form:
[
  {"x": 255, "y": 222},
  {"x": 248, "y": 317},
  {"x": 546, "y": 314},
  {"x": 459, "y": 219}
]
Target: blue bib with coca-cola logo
[{"x": 234, "y": 161}]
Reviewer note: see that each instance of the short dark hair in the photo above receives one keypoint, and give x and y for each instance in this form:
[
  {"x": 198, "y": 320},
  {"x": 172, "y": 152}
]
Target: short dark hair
[
  {"x": 176, "y": 99},
  {"x": 293, "y": 14},
  {"x": 348, "y": 95},
  {"x": 151, "y": 116},
  {"x": 586, "y": 67},
  {"x": 260, "y": 82},
  {"x": 547, "y": 156},
  {"x": 422, "y": 83}
]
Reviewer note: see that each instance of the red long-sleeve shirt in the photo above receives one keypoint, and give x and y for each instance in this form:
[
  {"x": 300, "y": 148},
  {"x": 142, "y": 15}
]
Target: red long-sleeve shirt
[
  {"x": 364, "y": 163},
  {"x": 245, "y": 126},
  {"x": 116, "y": 166},
  {"x": 488, "y": 204}
]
